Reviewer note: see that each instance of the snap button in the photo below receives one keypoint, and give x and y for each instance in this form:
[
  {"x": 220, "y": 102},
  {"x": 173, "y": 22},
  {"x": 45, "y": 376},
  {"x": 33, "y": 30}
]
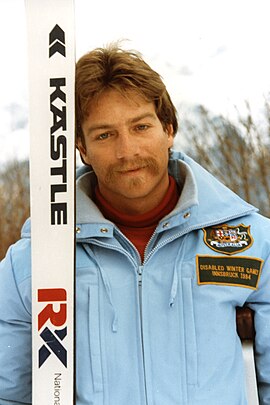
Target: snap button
[
  {"x": 166, "y": 225},
  {"x": 104, "y": 230},
  {"x": 186, "y": 215},
  {"x": 78, "y": 229}
]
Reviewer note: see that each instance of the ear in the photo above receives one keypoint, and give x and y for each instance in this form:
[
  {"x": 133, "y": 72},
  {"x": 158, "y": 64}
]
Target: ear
[
  {"x": 82, "y": 149},
  {"x": 170, "y": 133}
]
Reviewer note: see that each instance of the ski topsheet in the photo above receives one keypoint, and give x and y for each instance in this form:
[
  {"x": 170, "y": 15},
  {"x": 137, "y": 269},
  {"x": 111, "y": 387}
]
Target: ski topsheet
[{"x": 51, "y": 46}]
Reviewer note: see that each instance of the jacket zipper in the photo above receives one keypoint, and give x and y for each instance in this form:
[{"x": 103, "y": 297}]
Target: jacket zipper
[
  {"x": 140, "y": 268},
  {"x": 139, "y": 278}
]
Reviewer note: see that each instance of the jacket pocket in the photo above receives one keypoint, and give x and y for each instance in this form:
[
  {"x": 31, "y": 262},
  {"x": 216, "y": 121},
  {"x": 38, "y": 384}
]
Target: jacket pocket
[
  {"x": 190, "y": 332},
  {"x": 94, "y": 337}
]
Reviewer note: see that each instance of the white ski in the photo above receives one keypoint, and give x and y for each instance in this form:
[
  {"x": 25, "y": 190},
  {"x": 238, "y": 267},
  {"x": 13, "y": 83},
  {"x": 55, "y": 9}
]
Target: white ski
[
  {"x": 51, "y": 47},
  {"x": 250, "y": 372}
]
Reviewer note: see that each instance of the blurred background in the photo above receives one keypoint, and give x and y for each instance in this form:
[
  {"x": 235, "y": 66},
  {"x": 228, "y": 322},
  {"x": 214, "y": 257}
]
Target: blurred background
[{"x": 213, "y": 56}]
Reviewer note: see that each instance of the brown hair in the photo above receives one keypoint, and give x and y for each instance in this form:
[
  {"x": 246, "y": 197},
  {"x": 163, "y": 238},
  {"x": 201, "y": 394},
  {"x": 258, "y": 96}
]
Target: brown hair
[{"x": 114, "y": 68}]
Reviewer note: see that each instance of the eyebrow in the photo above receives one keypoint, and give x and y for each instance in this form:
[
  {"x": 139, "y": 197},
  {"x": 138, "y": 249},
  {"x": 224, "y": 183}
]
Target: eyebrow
[
  {"x": 141, "y": 117},
  {"x": 105, "y": 126}
]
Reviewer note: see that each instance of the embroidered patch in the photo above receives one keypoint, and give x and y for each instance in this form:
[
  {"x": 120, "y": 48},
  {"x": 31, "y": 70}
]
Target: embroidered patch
[
  {"x": 228, "y": 239},
  {"x": 237, "y": 271}
]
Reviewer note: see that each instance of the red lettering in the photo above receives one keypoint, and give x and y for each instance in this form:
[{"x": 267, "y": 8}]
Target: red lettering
[
  {"x": 52, "y": 294},
  {"x": 57, "y": 318}
]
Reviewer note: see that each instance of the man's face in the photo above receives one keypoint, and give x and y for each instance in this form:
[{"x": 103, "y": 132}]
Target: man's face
[{"x": 127, "y": 148}]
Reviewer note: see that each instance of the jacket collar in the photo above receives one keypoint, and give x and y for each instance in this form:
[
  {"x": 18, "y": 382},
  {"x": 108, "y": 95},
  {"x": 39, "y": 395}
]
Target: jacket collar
[{"x": 204, "y": 201}]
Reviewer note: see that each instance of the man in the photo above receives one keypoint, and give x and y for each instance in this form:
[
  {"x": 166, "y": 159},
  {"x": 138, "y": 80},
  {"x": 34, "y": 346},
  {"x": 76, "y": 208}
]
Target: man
[{"x": 165, "y": 254}]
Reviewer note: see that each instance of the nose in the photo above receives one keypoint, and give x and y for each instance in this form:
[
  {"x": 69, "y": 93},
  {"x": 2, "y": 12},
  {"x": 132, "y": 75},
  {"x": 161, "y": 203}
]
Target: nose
[{"x": 127, "y": 145}]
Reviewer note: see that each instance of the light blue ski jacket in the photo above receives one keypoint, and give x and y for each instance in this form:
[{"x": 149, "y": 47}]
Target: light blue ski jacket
[{"x": 161, "y": 332}]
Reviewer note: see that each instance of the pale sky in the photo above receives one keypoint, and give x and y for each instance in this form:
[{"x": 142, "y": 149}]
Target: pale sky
[{"x": 210, "y": 52}]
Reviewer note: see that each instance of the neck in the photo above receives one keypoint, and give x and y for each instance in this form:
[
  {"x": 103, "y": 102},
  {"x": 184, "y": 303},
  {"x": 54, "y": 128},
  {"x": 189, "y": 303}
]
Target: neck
[
  {"x": 149, "y": 218},
  {"x": 137, "y": 206}
]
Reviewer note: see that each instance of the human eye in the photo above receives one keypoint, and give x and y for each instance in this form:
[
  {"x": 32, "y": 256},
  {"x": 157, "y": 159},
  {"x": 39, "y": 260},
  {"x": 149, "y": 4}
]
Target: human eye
[
  {"x": 103, "y": 136},
  {"x": 142, "y": 127}
]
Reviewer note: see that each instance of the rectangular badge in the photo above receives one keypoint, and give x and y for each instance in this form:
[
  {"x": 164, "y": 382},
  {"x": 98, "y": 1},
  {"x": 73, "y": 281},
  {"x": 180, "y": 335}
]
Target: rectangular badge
[{"x": 238, "y": 271}]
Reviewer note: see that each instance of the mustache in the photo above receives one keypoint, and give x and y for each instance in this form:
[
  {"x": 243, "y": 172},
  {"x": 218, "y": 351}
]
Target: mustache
[
  {"x": 149, "y": 163},
  {"x": 137, "y": 163}
]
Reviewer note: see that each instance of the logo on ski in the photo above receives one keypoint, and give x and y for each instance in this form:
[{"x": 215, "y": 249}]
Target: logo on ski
[
  {"x": 58, "y": 151},
  {"x": 57, "y": 42},
  {"x": 54, "y": 314}
]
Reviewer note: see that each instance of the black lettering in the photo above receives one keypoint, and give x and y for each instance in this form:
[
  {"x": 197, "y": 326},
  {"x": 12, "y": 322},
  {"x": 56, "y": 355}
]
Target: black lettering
[
  {"x": 60, "y": 171},
  {"x": 58, "y": 93},
  {"x": 62, "y": 115},
  {"x": 57, "y": 188},
  {"x": 58, "y": 150},
  {"x": 56, "y": 146},
  {"x": 59, "y": 114},
  {"x": 58, "y": 213}
]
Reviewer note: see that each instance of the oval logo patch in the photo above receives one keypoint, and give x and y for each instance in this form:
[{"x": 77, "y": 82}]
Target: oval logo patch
[{"x": 228, "y": 239}]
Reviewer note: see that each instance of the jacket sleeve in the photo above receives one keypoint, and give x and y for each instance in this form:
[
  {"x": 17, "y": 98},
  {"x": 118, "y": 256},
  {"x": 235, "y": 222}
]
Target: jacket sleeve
[
  {"x": 260, "y": 303},
  {"x": 15, "y": 326}
]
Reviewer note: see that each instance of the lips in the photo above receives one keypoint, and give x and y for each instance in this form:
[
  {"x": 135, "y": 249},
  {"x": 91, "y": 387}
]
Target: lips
[{"x": 131, "y": 170}]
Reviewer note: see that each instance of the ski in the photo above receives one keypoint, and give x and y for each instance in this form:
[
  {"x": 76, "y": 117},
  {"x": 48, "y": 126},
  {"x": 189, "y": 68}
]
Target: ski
[
  {"x": 51, "y": 55},
  {"x": 250, "y": 372}
]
